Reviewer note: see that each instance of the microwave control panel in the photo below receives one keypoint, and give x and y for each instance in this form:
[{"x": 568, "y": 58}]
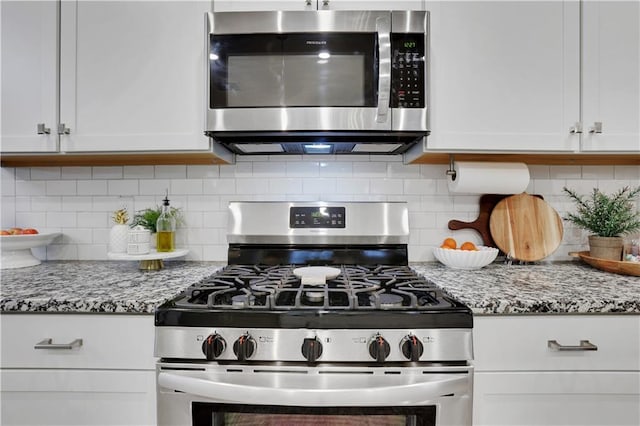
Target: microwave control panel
[{"x": 407, "y": 70}]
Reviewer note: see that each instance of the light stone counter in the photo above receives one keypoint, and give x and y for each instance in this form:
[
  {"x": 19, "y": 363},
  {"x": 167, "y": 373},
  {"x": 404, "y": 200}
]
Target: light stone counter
[{"x": 119, "y": 287}]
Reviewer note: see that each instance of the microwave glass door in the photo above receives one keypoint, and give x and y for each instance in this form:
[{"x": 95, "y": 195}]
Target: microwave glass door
[{"x": 293, "y": 70}]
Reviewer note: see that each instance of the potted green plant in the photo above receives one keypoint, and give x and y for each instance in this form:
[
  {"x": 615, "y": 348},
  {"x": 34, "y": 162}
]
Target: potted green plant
[
  {"x": 608, "y": 217},
  {"x": 147, "y": 218}
]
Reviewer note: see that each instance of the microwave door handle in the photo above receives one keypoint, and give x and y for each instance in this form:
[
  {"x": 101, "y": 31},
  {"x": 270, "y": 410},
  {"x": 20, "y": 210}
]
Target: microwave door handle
[
  {"x": 383, "y": 28},
  {"x": 416, "y": 393}
]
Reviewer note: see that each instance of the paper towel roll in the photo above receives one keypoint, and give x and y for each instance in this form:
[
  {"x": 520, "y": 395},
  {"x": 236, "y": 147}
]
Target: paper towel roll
[{"x": 476, "y": 177}]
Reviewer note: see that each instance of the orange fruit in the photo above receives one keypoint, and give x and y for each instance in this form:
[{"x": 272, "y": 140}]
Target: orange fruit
[
  {"x": 468, "y": 245},
  {"x": 449, "y": 243}
]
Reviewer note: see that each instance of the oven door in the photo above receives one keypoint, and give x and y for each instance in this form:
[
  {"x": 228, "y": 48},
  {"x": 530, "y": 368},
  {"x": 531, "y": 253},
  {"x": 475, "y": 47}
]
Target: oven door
[
  {"x": 297, "y": 71},
  {"x": 211, "y": 394}
]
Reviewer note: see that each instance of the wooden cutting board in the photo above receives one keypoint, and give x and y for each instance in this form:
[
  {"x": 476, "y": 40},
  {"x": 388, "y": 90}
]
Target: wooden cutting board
[
  {"x": 481, "y": 224},
  {"x": 525, "y": 227}
]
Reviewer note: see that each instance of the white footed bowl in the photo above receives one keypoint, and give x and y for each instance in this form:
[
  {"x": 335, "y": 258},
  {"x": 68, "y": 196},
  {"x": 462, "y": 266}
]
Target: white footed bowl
[{"x": 16, "y": 249}]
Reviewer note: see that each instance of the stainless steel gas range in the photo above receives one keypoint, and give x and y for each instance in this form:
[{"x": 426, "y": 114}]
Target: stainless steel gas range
[{"x": 316, "y": 320}]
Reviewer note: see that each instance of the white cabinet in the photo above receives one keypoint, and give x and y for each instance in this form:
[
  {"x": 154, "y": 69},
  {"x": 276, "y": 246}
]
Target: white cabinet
[
  {"x": 131, "y": 76},
  {"x": 29, "y": 76},
  {"x": 611, "y": 75},
  {"x": 108, "y": 379},
  {"x": 259, "y": 5},
  {"x": 520, "y": 380},
  {"x": 504, "y": 76},
  {"x": 535, "y": 76}
]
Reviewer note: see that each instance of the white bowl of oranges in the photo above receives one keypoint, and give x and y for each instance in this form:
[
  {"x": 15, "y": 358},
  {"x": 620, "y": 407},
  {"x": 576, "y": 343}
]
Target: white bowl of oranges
[{"x": 466, "y": 256}]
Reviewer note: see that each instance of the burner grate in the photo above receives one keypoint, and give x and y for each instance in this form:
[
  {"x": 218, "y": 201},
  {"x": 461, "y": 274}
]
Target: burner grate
[{"x": 361, "y": 287}]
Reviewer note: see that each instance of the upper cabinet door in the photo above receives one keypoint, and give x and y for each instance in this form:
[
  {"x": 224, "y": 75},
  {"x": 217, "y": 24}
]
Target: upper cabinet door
[
  {"x": 29, "y": 76},
  {"x": 611, "y": 75},
  {"x": 133, "y": 75},
  {"x": 504, "y": 76}
]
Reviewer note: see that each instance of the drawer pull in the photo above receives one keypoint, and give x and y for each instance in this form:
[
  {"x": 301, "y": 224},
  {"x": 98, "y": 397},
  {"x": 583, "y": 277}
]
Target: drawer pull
[
  {"x": 584, "y": 345},
  {"x": 48, "y": 344}
]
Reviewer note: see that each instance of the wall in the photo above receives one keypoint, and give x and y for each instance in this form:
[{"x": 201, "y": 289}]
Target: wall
[{"x": 79, "y": 201}]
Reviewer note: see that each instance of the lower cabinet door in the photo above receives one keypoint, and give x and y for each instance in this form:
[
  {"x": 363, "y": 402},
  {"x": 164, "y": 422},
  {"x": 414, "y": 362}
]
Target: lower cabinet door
[
  {"x": 556, "y": 398},
  {"x": 77, "y": 397}
]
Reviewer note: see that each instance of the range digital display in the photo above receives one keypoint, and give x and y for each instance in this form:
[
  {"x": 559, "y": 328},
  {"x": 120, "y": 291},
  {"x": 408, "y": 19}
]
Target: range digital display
[{"x": 317, "y": 217}]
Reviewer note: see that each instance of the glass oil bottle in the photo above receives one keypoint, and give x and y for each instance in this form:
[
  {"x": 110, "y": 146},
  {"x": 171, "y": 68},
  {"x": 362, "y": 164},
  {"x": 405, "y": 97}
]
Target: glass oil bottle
[{"x": 166, "y": 228}]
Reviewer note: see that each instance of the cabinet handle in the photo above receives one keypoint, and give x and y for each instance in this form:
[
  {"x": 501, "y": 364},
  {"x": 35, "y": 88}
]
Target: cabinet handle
[
  {"x": 63, "y": 129},
  {"x": 576, "y": 128},
  {"x": 584, "y": 345},
  {"x": 48, "y": 344},
  {"x": 308, "y": 2},
  {"x": 597, "y": 127},
  {"x": 325, "y": 2},
  {"x": 43, "y": 130}
]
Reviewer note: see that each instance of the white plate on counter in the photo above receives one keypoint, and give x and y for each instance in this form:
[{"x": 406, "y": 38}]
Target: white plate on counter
[{"x": 16, "y": 249}]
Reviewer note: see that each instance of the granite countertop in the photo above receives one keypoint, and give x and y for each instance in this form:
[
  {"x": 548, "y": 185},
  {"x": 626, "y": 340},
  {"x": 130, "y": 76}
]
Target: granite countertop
[
  {"x": 119, "y": 287},
  {"x": 96, "y": 286},
  {"x": 562, "y": 287}
]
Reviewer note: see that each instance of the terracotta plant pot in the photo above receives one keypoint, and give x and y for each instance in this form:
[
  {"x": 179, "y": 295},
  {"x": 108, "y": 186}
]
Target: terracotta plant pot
[{"x": 605, "y": 247}]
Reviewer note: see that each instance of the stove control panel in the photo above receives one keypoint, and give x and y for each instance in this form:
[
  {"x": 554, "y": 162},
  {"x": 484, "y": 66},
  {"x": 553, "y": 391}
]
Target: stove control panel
[
  {"x": 317, "y": 217},
  {"x": 314, "y": 345}
]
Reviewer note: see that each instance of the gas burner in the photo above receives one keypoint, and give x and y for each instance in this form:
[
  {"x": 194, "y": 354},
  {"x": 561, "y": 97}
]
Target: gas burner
[{"x": 387, "y": 300}]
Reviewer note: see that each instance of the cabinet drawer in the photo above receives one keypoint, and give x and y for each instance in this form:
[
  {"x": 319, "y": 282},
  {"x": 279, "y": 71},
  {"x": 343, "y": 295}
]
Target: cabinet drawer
[
  {"x": 512, "y": 343},
  {"x": 108, "y": 341},
  {"x": 77, "y": 397}
]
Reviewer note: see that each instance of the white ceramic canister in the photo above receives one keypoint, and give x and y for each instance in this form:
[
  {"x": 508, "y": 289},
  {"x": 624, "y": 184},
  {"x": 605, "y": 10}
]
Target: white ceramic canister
[{"x": 138, "y": 240}]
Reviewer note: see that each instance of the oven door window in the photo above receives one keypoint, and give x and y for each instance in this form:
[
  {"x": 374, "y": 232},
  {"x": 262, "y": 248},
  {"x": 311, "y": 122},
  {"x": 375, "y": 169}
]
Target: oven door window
[
  {"x": 208, "y": 414},
  {"x": 293, "y": 70}
]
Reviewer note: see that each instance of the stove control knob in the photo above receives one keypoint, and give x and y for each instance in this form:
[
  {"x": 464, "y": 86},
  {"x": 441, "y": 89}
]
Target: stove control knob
[
  {"x": 411, "y": 347},
  {"x": 213, "y": 346},
  {"x": 244, "y": 347},
  {"x": 379, "y": 348},
  {"x": 311, "y": 349}
]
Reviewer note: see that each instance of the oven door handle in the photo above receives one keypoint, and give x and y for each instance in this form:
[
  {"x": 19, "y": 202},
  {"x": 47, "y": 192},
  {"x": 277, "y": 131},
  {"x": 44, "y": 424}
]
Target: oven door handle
[
  {"x": 383, "y": 28},
  {"x": 411, "y": 393}
]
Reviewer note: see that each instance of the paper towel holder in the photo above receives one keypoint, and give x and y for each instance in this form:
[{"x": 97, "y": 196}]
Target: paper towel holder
[{"x": 451, "y": 171}]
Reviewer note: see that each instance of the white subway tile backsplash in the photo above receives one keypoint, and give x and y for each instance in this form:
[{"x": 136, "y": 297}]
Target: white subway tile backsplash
[
  {"x": 219, "y": 186},
  {"x": 237, "y": 170},
  {"x": 138, "y": 172},
  {"x": 75, "y": 173},
  {"x": 92, "y": 187},
  {"x": 336, "y": 169},
  {"x": 319, "y": 186},
  {"x": 375, "y": 169},
  {"x": 43, "y": 204},
  {"x": 631, "y": 173},
  {"x": 123, "y": 187},
  {"x": 45, "y": 173},
  {"x": 250, "y": 186},
  {"x": 61, "y": 187},
  {"x": 565, "y": 172},
  {"x": 303, "y": 169},
  {"x": 387, "y": 186},
  {"x": 353, "y": 186},
  {"x": 30, "y": 188},
  {"x": 281, "y": 186},
  {"x": 110, "y": 172},
  {"x": 186, "y": 186},
  {"x": 7, "y": 182},
  {"x": 156, "y": 187},
  {"x": 203, "y": 172},
  {"x": 171, "y": 172},
  {"x": 79, "y": 201}
]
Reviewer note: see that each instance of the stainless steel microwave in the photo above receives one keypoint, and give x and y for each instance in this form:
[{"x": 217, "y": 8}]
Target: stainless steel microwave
[{"x": 325, "y": 82}]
